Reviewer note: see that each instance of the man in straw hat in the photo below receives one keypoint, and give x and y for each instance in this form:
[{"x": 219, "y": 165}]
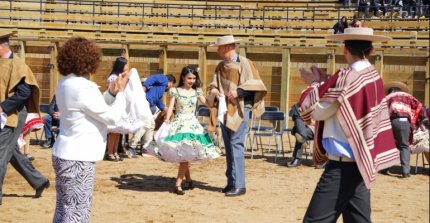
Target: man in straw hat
[
  {"x": 19, "y": 94},
  {"x": 404, "y": 111},
  {"x": 237, "y": 78},
  {"x": 353, "y": 130}
]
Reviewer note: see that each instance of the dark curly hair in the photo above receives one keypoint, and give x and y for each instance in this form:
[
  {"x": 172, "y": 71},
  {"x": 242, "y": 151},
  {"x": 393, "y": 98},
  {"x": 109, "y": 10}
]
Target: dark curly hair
[{"x": 79, "y": 56}]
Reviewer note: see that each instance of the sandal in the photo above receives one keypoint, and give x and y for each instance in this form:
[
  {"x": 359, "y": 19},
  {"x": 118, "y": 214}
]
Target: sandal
[
  {"x": 178, "y": 190},
  {"x": 118, "y": 158},
  {"x": 111, "y": 158}
]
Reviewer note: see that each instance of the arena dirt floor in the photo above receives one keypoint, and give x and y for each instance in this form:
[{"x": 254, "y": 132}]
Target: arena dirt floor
[{"x": 138, "y": 190}]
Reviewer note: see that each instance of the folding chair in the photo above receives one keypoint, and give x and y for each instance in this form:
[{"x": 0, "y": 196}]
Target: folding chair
[
  {"x": 277, "y": 118},
  {"x": 271, "y": 108},
  {"x": 203, "y": 113},
  {"x": 288, "y": 131},
  {"x": 251, "y": 122},
  {"x": 253, "y": 128},
  {"x": 43, "y": 108},
  {"x": 423, "y": 160}
]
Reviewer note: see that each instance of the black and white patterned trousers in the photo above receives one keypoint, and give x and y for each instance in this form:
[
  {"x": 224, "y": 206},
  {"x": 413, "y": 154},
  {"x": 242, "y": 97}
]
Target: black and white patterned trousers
[{"x": 74, "y": 186}]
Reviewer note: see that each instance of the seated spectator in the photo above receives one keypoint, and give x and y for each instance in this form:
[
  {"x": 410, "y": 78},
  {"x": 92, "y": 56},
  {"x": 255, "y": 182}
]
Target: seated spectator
[
  {"x": 363, "y": 6},
  {"x": 340, "y": 25},
  {"x": 51, "y": 119},
  {"x": 385, "y": 6},
  {"x": 425, "y": 8},
  {"x": 355, "y": 22},
  {"x": 375, "y": 7},
  {"x": 303, "y": 134},
  {"x": 399, "y": 4}
]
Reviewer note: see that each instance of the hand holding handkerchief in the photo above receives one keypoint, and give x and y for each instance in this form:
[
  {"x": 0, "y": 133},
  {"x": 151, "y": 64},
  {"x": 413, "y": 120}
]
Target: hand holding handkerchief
[{"x": 222, "y": 109}]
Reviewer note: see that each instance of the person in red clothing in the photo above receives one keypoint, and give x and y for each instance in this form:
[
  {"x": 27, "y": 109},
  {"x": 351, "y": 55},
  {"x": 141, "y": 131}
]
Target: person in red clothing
[{"x": 404, "y": 110}]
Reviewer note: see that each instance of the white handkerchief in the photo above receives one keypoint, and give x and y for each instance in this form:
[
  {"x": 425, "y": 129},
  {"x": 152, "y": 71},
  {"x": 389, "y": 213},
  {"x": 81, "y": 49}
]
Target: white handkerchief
[
  {"x": 222, "y": 109},
  {"x": 3, "y": 119}
]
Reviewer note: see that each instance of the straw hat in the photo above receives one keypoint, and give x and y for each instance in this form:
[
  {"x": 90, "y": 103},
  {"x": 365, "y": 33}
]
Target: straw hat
[
  {"x": 359, "y": 33},
  {"x": 224, "y": 40},
  {"x": 4, "y": 33},
  {"x": 403, "y": 87}
]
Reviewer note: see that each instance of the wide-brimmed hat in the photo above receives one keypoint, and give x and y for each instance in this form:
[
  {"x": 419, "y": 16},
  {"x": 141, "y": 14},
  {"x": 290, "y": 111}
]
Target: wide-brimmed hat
[
  {"x": 403, "y": 87},
  {"x": 224, "y": 40},
  {"x": 4, "y": 34},
  {"x": 359, "y": 33}
]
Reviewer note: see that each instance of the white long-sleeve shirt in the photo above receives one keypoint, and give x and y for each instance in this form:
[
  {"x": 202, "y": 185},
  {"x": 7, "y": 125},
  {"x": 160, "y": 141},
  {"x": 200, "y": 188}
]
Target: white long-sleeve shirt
[{"x": 85, "y": 114}]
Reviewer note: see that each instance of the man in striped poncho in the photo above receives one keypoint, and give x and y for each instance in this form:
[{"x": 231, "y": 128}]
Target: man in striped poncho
[{"x": 352, "y": 131}]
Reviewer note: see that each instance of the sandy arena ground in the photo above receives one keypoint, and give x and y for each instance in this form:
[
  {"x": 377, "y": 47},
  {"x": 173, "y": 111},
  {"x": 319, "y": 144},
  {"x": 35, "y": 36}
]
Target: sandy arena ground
[{"x": 138, "y": 190}]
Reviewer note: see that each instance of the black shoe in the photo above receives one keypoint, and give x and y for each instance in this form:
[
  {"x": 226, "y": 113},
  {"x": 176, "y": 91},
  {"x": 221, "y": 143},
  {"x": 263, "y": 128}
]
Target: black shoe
[
  {"x": 406, "y": 175},
  {"x": 111, "y": 158},
  {"x": 235, "y": 192},
  {"x": 226, "y": 189},
  {"x": 178, "y": 190},
  {"x": 384, "y": 172},
  {"x": 40, "y": 189},
  {"x": 47, "y": 144},
  {"x": 295, "y": 163},
  {"x": 189, "y": 185}
]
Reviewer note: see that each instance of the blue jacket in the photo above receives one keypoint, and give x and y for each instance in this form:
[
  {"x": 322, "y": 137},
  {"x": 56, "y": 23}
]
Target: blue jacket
[{"x": 155, "y": 86}]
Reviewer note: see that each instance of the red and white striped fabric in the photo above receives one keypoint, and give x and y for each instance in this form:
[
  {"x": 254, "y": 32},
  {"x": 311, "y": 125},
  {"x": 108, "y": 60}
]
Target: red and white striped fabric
[
  {"x": 33, "y": 123},
  {"x": 363, "y": 115}
]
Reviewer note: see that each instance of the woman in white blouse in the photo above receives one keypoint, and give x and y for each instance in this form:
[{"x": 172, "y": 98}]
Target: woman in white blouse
[{"x": 85, "y": 114}]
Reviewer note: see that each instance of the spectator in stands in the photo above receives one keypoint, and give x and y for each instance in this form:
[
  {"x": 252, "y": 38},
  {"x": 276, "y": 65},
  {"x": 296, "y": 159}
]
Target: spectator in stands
[
  {"x": 86, "y": 113},
  {"x": 345, "y": 3},
  {"x": 416, "y": 6},
  {"x": 51, "y": 119},
  {"x": 19, "y": 94},
  {"x": 375, "y": 5},
  {"x": 399, "y": 5},
  {"x": 340, "y": 25},
  {"x": 355, "y": 137},
  {"x": 404, "y": 111},
  {"x": 385, "y": 6},
  {"x": 155, "y": 86},
  {"x": 238, "y": 79},
  {"x": 303, "y": 134},
  {"x": 363, "y": 6},
  {"x": 355, "y": 22},
  {"x": 425, "y": 8},
  {"x": 113, "y": 141}
]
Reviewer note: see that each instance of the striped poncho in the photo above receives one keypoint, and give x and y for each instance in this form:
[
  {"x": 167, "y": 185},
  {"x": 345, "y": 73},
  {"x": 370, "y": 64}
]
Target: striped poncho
[
  {"x": 229, "y": 76},
  {"x": 363, "y": 115}
]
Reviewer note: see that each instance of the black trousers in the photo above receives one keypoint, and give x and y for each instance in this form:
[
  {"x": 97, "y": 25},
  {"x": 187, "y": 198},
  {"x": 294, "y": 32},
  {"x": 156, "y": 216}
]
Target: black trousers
[
  {"x": 9, "y": 152},
  {"x": 340, "y": 190}
]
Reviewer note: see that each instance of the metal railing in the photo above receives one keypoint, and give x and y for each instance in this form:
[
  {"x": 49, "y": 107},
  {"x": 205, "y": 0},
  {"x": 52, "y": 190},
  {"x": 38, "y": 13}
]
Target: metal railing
[{"x": 229, "y": 16}]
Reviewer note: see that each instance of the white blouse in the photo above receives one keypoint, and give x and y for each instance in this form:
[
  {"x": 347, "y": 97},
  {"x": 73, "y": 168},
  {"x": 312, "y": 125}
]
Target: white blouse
[{"x": 85, "y": 114}]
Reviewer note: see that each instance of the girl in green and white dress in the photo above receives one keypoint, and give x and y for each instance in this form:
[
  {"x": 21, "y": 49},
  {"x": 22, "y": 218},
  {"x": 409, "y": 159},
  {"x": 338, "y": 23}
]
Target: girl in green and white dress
[{"x": 187, "y": 140}]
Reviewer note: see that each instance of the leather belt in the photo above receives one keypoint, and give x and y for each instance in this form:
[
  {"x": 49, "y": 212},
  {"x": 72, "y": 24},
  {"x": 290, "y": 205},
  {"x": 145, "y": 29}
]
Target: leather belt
[{"x": 341, "y": 159}]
